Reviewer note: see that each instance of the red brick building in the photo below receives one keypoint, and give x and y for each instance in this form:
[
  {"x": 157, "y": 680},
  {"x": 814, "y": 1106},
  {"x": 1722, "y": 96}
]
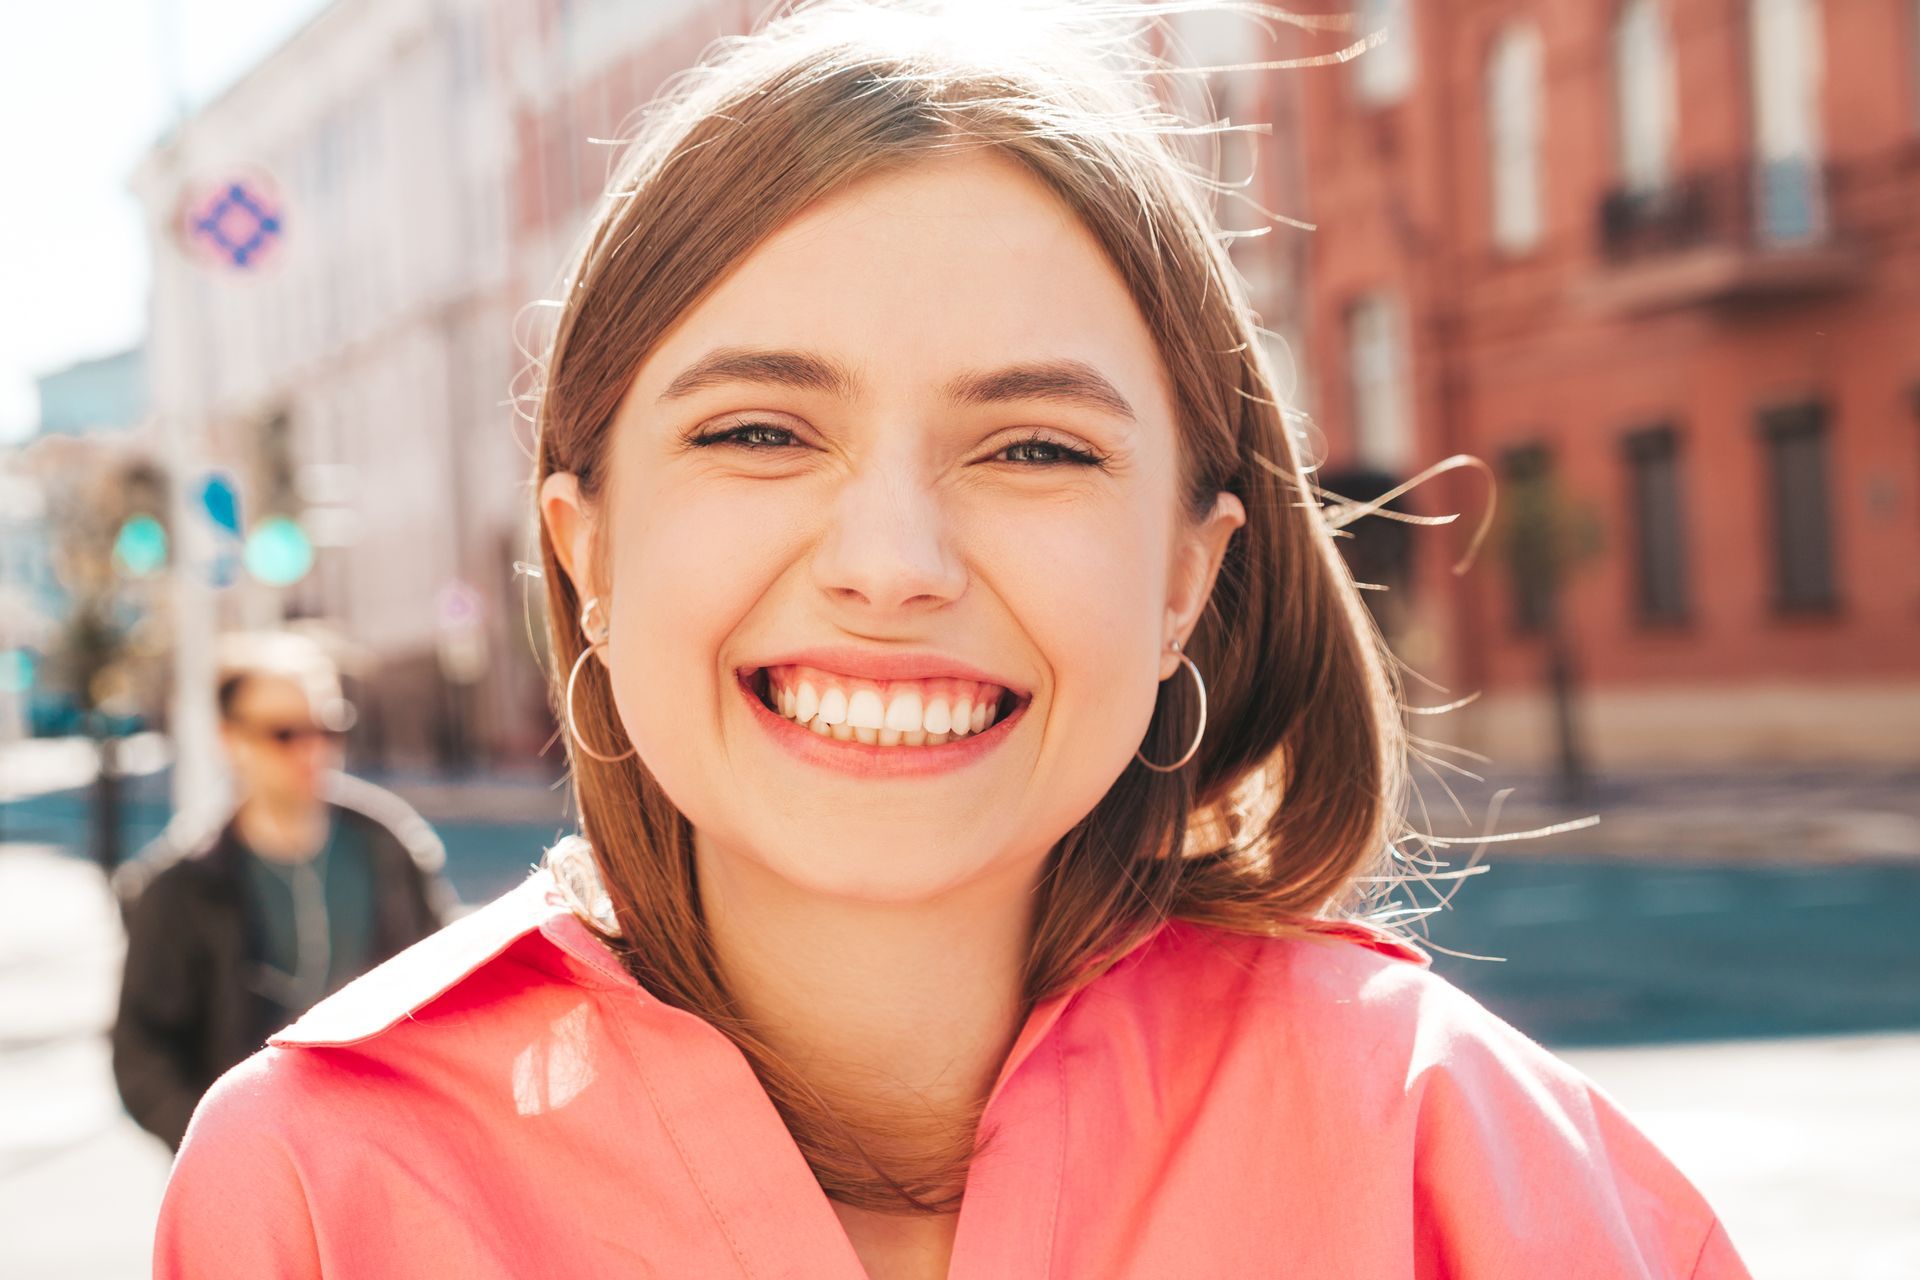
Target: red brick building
[{"x": 1657, "y": 262}]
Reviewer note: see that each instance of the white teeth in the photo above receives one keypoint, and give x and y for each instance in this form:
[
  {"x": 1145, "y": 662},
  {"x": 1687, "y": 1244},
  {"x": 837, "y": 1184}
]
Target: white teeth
[
  {"x": 907, "y": 718},
  {"x": 865, "y": 711},
  {"x": 939, "y": 717},
  {"x": 903, "y": 712}
]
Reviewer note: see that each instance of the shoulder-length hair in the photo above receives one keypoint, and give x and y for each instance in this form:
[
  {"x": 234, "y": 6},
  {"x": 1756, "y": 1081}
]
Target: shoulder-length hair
[{"x": 1295, "y": 790}]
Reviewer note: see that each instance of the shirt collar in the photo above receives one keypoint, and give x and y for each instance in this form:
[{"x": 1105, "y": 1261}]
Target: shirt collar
[
  {"x": 562, "y": 898},
  {"x": 405, "y": 984}
]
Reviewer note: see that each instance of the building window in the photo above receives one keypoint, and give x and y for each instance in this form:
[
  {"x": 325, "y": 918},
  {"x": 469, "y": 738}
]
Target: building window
[
  {"x": 1382, "y": 418},
  {"x": 1526, "y": 476},
  {"x": 1383, "y": 74},
  {"x": 1659, "y": 537},
  {"x": 1795, "y": 438},
  {"x": 1789, "y": 196},
  {"x": 1515, "y": 129},
  {"x": 1643, "y": 97}
]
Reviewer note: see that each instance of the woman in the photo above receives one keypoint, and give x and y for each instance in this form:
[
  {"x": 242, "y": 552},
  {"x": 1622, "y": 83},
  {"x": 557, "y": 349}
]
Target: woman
[{"x": 904, "y": 430}]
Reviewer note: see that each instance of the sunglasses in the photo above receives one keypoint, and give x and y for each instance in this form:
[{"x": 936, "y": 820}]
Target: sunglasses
[{"x": 287, "y": 735}]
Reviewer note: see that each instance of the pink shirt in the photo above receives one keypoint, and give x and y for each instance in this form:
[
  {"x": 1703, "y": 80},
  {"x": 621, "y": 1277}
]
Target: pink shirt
[{"x": 504, "y": 1100}]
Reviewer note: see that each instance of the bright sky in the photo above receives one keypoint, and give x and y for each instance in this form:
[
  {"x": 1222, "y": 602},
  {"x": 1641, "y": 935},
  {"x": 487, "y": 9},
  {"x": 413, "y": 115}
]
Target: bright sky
[{"x": 85, "y": 88}]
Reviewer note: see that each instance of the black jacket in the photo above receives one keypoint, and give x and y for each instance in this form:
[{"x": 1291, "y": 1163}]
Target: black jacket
[{"x": 187, "y": 1011}]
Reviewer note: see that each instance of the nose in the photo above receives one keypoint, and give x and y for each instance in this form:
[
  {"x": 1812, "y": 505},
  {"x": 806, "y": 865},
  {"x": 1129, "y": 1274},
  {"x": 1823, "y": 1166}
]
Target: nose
[
  {"x": 315, "y": 753},
  {"x": 888, "y": 548}
]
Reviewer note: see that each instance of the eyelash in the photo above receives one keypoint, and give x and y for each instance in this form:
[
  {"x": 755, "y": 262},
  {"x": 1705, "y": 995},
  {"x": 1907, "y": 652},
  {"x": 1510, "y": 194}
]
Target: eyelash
[{"x": 732, "y": 435}]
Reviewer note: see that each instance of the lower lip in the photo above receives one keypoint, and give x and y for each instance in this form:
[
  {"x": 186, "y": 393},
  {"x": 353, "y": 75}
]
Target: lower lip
[{"x": 865, "y": 761}]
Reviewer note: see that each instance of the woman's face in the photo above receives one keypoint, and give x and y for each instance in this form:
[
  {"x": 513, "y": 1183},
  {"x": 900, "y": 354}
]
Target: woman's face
[{"x": 911, "y": 372}]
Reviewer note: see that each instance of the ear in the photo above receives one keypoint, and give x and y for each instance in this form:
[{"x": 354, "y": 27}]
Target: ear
[
  {"x": 1196, "y": 563},
  {"x": 569, "y": 522}
]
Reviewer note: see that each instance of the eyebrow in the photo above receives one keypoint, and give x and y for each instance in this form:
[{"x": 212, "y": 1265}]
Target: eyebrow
[{"x": 1063, "y": 381}]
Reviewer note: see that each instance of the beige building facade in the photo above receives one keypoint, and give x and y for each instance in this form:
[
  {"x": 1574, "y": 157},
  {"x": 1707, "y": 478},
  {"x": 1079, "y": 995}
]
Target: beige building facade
[{"x": 353, "y": 373}]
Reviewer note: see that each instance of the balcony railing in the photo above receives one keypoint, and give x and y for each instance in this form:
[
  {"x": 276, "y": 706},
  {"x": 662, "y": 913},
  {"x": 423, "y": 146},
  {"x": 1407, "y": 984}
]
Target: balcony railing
[
  {"x": 1761, "y": 228},
  {"x": 1664, "y": 219}
]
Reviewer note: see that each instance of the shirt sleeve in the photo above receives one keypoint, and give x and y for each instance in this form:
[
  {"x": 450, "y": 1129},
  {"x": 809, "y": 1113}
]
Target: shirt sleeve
[
  {"x": 157, "y": 1029},
  {"x": 1525, "y": 1167},
  {"x": 235, "y": 1206}
]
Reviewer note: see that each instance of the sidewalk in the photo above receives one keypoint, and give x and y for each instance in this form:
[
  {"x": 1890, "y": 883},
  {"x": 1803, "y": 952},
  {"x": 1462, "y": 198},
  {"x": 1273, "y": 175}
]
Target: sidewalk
[
  {"x": 35, "y": 766},
  {"x": 79, "y": 1181},
  {"x": 1751, "y": 814},
  {"x": 1804, "y": 1146}
]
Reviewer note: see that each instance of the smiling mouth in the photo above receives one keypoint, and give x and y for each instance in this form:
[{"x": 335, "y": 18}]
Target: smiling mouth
[{"x": 966, "y": 711}]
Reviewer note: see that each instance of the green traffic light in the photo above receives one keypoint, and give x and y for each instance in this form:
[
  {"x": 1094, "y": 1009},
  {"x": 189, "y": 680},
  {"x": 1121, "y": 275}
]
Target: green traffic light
[
  {"x": 278, "y": 551},
  {"x": 141, "y": 547}
]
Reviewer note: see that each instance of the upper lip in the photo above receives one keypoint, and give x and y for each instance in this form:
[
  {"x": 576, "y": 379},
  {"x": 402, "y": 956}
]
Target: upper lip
[{"x": 885, "y": 664}]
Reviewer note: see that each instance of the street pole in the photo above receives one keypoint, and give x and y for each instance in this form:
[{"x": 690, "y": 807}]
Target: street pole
[
  {"x": 197, "y": 779},
  {"x": 196, "y": 776}
]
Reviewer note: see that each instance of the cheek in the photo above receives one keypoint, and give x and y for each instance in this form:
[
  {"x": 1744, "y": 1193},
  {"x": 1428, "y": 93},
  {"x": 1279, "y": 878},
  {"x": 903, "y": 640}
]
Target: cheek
[
  {"x": 1086, "y": 594},
  {"x": 682, "y": 582}
]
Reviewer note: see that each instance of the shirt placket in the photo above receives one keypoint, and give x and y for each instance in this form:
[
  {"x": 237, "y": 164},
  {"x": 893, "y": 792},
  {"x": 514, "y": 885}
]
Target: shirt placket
[
  {"x": 1009, "y": 1214},
  {"x": 766, "y": 1205}
]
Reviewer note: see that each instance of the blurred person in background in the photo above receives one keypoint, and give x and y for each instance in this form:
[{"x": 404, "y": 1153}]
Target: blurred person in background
[{"x": 313, "y": 879}]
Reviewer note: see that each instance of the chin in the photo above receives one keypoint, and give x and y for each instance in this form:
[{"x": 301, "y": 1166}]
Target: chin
[{"x": 881, "y": 874}]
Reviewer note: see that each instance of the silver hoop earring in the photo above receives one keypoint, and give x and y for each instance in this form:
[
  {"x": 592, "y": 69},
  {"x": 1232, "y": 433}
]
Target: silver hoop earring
[
  {"x": 595, "y": 640},
  {"x": 1198, "y": 733}
]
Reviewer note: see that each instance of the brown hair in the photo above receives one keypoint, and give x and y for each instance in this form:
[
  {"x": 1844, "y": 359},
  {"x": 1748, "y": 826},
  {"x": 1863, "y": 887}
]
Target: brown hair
[
  {"x": 247, "y": 655},
  {"x": 1296, "y": 789}
]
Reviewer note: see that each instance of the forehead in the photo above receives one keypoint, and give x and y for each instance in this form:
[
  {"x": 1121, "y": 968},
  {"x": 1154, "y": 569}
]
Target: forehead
[
  {"x": 273, "y": 696},
  {"x": 959, "y": 262}
]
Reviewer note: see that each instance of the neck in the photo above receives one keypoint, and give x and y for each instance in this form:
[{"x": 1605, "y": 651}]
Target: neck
[
  {"x": 282, "y": 828},
  {"x": 900, "y": 1015}
]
